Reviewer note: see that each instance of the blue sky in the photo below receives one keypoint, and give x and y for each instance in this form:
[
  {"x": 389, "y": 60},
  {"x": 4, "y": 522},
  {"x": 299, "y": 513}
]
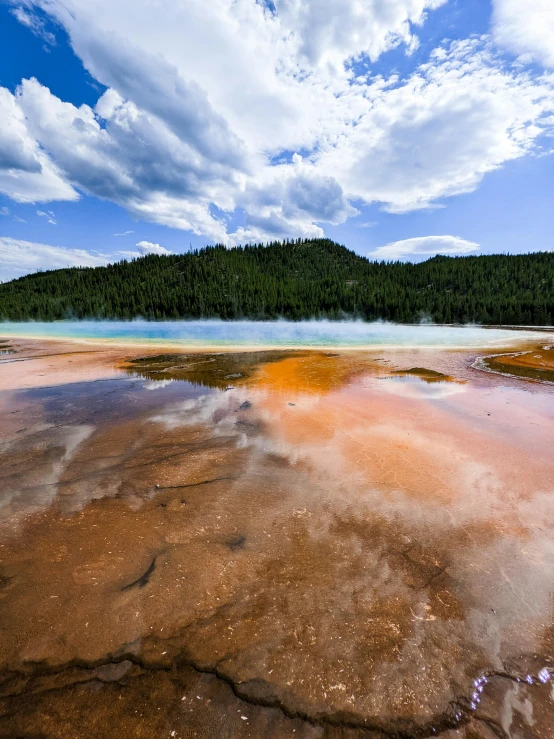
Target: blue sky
[{"x": 401, "y": 128}]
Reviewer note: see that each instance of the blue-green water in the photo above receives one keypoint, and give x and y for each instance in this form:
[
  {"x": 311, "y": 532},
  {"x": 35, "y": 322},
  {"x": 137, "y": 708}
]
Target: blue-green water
[{"x": 354, "y": 334}]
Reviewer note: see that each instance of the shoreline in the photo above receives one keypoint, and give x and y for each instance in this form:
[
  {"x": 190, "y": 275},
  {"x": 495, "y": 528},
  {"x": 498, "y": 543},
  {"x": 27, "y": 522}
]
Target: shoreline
[
  {"x": 53, "y": 361},
  {"x": 175, "y": 346}
]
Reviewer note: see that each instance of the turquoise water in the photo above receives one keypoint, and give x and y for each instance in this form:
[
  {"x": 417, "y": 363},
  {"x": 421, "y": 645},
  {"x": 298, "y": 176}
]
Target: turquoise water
[{"x": 279, "y": 334}]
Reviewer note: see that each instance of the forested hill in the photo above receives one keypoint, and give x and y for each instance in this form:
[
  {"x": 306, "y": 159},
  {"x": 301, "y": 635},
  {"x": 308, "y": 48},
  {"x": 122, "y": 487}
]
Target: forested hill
[{"x": 303, "y": 279}]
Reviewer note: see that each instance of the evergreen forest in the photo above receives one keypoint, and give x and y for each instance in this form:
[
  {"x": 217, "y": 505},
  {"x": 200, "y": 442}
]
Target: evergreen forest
[{"x": 296, "y": 280}]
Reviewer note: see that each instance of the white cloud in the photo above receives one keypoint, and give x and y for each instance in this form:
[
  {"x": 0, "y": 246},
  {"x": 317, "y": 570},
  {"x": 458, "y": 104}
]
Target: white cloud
[
  {"x": 424, "y": 246},
  {"x": 526, "y": 27},
  {"x": 27, "y": 174},
  {"x": 146, "y": 247},
  {"x": 50, "y": 217},
  {"x": 18, "y": 258},
  {"x": 125, "y": 233},
  {"x": 258, "y": 69},
  {"x": 4, "y": 211},
  {"x": 286, "y": 200},
  {"x": 34, "y": 24},
  {"x": 207, "y": 103},
  {"x": 134, "y": 159},
  {"x": 437, "y": 134},
  {"x": 332, "y": 31}
]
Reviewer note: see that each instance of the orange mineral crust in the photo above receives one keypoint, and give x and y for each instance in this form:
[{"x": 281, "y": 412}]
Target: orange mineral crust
[
  {"x": 536, "y": 365},
  {"x": 291, "y": 544}
]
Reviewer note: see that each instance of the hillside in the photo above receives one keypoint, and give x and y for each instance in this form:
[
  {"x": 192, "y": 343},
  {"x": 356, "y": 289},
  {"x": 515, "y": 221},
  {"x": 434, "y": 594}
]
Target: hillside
[{"x": 303, "y": 279}]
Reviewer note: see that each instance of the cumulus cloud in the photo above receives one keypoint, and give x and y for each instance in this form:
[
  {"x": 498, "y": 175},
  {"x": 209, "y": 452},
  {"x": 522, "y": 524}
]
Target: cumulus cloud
[
  {"x": 124, "y": 154},
  {"x": 286, "y": 200},
  {"x": 27, "y": 174},
  {"x": 18, "y": 258},
  {"x": 330, "y": 32},
  {"x": 146, "y": 247},
  {"x": 439, "y": 132},
  {"x": 207, "y": 104},
  {"x": 424, "y": 246},
  {"x": 526, "y": 28}
]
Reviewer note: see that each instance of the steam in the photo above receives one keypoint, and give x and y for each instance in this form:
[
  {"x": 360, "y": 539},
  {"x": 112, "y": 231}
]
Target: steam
[{"x": 279, "y": 334}]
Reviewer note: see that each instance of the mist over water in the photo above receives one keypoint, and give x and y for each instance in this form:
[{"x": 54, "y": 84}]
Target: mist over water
[{"x": 212, "y": 333}]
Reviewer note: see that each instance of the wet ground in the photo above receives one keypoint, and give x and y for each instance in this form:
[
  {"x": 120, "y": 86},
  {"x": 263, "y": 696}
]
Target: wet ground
[
  {"x": 537, "y": 364},
  {"x": 281, "y": 544}
]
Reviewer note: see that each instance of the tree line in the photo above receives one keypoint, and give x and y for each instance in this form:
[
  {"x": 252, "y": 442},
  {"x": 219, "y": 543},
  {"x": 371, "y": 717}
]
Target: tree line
[{"x": 296, "y": 280}]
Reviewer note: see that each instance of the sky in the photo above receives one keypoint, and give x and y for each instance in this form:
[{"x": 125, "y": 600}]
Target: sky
[{"x": 399, "y": 128}]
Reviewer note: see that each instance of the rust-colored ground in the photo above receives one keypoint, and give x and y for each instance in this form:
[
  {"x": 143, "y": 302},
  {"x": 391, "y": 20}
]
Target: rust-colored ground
[
  {"x": 300, "y": 544},
  {"x": 535, "y": 365}
]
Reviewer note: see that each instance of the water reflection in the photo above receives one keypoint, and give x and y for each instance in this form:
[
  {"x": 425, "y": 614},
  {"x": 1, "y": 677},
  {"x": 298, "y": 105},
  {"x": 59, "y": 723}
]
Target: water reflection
[
  {"x": 310, "y": 531},
  {"x": 422, "y": 373},
  {"x": 419, "y": 384},
  {"x": 219, "y": 370}
]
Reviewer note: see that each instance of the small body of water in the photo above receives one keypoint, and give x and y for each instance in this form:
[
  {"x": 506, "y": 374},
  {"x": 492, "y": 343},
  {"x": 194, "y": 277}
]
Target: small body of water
[{"x": 273, "y": 333}]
